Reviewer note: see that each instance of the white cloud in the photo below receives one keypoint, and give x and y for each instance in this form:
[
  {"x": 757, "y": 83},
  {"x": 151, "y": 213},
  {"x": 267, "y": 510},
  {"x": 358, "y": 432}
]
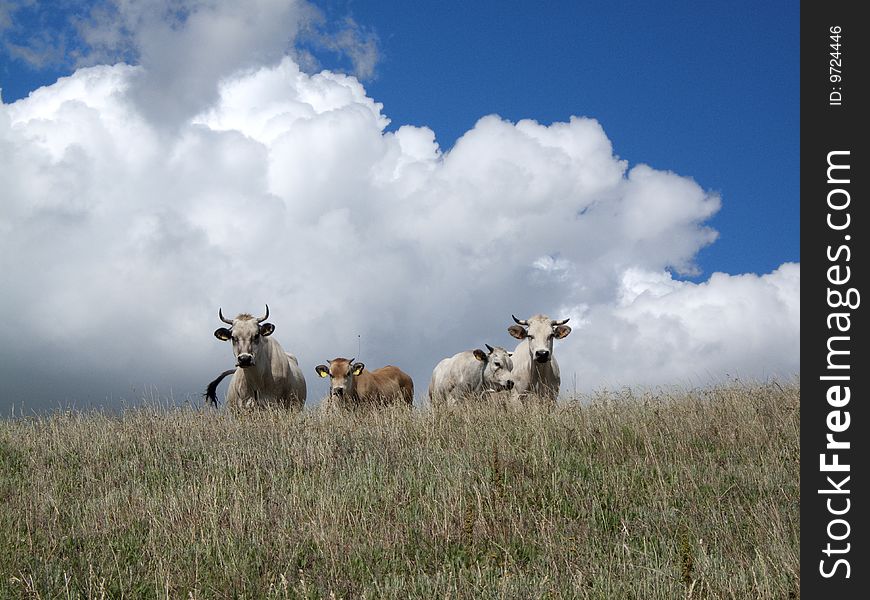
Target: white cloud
[
  {"x": 185, "y": 46},
  {"x": 120, "y": 238},
  {"x": 663, "y": 331}
]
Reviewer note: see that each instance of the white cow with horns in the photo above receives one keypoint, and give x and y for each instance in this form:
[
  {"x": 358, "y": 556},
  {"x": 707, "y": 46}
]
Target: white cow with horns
[
  {"x": 265, "y": 375},
  {"x": 470, "y": 373},
  {"x": 536, "y": 372}
]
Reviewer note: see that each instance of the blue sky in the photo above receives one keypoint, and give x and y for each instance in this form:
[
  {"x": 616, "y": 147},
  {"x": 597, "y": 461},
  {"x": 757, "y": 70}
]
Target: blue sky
[
  {"x": 709, "y": 90},
  {"x": 400, "y": 177}
]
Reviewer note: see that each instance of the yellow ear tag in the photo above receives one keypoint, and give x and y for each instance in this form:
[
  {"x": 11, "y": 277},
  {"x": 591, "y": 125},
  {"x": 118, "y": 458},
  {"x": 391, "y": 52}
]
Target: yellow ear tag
[{"x": 323, "y": 374}]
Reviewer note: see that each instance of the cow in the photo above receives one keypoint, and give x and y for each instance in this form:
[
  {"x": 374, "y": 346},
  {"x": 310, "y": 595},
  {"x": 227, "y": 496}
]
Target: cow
[
  {"x": 536, "y": 372},
  {"x": 470, "y": 373},
  {"x": 352, "y": 386},
  {"x": 265, "y": 375}
]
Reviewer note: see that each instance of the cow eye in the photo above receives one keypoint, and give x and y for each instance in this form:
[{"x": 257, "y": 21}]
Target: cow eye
[
  {"x": 531, "y": 337},
  {"x": 497, "y": 365},
  {"x": 256, "y": 338}
]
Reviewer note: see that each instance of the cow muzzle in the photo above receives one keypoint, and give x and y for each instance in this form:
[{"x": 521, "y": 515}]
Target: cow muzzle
[
  {"x": 509, "y": 384},
  {"x": 542, "y": 356},
  {"x": 338, "y": 392},
  {"x": 245, "y": 360}
]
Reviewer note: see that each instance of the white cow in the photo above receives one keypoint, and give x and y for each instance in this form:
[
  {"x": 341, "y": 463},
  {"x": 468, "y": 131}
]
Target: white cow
[
  {"x": 265, "y": 374},
  {"x": 469, "y": 373},
  {"x": 536, "y": 372}
]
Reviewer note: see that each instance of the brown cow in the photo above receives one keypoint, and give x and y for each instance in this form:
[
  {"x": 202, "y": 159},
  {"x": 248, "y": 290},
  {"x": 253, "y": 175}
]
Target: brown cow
[{"x": 351, "y": 385}]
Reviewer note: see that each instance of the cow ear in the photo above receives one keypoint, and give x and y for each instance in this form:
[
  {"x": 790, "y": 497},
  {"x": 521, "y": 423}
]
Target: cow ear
[
  {"x": 222, "y": 333},
  {"x": 479, "y": 355},
  {"x": 561, "y": 331},
  {"x": 322, "y": 370},
  {"x": 358, "y": 368},
  {"x": 518, "y": 331},
  {"x": 266, "y": 329}
]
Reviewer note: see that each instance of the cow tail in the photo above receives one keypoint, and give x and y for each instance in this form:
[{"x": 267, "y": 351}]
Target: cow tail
[{"x": 210, "y": 394}]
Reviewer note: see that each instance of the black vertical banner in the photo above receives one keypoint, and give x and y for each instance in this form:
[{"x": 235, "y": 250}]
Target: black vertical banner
[{"x": 835, "y": 433}]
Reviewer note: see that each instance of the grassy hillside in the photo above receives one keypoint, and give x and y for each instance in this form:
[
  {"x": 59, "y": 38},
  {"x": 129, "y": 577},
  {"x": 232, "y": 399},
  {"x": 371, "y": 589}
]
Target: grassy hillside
[{"x": 676, "y": 495}]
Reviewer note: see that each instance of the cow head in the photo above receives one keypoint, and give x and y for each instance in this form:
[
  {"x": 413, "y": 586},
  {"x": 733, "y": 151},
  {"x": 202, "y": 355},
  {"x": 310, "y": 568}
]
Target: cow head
[
  {"x": 342, "y": 375},
  {"x": 497, "y": 372},
  {"x": 247, "y": 333},
  {"x": 540, "y": 331}
]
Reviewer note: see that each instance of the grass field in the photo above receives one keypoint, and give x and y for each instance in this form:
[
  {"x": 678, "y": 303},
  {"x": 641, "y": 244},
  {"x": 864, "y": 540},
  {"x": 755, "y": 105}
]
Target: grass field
[{"x": 690, "y": 494}]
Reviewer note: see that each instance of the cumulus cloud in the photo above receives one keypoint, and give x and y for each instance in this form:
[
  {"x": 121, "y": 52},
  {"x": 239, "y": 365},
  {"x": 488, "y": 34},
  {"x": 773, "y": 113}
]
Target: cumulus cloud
[
  {"x": 186, "y": 47},
  {"x": 119, "y": 240},
  {"x": 661, "y": 331}
]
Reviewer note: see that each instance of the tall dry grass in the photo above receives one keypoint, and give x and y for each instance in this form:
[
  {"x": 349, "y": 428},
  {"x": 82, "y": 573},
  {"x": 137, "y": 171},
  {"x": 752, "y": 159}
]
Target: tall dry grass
[{"x": 688, "y": 494}]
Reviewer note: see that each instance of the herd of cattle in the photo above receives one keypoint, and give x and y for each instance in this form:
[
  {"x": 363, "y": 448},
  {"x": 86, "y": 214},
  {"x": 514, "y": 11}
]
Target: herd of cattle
[{"x": 266, "y": 375}]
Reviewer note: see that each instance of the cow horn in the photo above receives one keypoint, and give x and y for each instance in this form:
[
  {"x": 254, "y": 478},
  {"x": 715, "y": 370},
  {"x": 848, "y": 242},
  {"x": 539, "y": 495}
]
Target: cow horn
[
  {"x": 223, "y": 318},
  {"x": 266, "y": 316},
  {"x": 555, "y": 323},
  {"x": 523, "y": 323}
]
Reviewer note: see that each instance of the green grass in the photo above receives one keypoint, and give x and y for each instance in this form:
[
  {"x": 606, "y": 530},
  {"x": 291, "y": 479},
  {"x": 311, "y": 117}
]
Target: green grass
[{"x": 673, "y": 495}]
